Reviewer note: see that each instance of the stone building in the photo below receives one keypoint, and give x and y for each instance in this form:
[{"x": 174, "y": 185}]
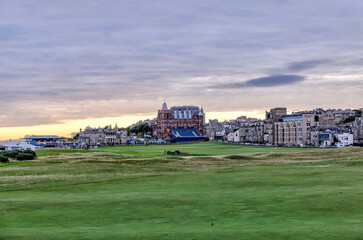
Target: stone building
[
  {"x": 252, "y": 132},
  {"x": 153, "y": 123},
  {"x": 272, "y": 116},
  {"x": 330, "y": 135},
  {"x": 323, "y": 135},
  {"x": 237, "y": 136},
  {"x": 211, "y": 128},
  {"x": 294, "y": 129},
  {"x": 332, "y": 116},
  {"x": 357, "y": 128},
  {"x": 179, "y": 117},
  {"x": 275, "y": 113},
  {"x": 91, "y": 137}
]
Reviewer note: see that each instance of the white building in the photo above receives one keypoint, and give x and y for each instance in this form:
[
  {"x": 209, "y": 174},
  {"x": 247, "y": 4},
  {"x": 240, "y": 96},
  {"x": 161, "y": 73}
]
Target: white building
[
  {"x": 237, "y": 136},
  {"x": 11, "y": 146},
  {"x": 230, "y": 137},
  {"x": 25, "y": 146},
  {"x": 344, "y": 139}
]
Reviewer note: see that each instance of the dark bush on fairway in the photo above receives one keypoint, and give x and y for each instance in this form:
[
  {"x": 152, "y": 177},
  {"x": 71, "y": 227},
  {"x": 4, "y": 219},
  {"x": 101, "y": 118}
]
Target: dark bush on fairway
[
  {"x": 4, "y": 159},
  {"x": 178, "y": 153},
  {"x": 238, "y": 157},
  {"x": 19, "y": 154},
  {"x": 31, "y": 152},
  {"x": 24, "y": 156},
  {"x": 10, "y": 154}
]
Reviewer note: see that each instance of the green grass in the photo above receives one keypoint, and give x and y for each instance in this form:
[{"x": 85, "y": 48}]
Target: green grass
[
  {"x": 202, "y": 149},
  {"x": 282, "y": 193}
]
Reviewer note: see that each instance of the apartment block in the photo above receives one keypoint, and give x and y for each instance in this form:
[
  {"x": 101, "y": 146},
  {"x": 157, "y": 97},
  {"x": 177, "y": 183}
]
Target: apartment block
[{"x": 294, "y": 129}]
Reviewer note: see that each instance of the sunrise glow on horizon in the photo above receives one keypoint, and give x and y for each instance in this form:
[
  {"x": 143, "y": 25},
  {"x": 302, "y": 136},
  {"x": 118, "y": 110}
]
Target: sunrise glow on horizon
[{"x": 67, "y": 128}]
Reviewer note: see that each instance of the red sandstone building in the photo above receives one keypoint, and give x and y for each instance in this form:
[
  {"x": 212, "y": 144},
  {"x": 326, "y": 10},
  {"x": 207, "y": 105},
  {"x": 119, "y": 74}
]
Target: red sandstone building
[{"x": 178, "y": 117}]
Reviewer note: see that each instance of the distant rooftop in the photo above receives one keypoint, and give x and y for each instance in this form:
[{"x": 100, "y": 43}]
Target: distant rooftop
[
  {"x": 164, "y": 107},
  {"x": 291, "y": 118}
]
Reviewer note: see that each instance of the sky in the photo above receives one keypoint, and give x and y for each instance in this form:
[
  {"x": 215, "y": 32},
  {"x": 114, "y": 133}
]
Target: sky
[{"x": 68, "y": 64}]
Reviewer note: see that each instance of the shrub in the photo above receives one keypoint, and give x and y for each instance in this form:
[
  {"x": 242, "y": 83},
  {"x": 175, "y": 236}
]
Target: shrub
[
  {"x": 15, "y": 154},
  {"x": 31, "y": 152},
  {"x": 10, "y": 154},
  {"x": 24, "y": 156},
  {"x": 4, "y": 159},
  {"x": 239, "y": 157}
]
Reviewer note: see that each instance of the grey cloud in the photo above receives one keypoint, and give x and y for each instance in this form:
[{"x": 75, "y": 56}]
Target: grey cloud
[
  {"x": 11, "y": 32},
  {"x": 270, "y": 81},
  {"x": 70, "y": 53},
  {"x": 305, "y": 65}
]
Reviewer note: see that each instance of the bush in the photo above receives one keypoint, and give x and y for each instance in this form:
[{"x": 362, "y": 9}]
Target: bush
[
  {"x": 31, "y": 152},
  {"x": 24, "y": 156},
  {"x": 4, "y": 159},
  {"x": 10, "y": 154},
  {"x": 30, "y": 155}
]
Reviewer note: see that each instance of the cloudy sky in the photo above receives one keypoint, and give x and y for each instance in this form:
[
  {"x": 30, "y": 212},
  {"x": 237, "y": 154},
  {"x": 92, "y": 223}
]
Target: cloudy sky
[{"x": 67, "y": 64}]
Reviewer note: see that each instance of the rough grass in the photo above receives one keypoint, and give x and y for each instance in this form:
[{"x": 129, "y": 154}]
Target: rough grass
[{"x": 271, "y": 193}]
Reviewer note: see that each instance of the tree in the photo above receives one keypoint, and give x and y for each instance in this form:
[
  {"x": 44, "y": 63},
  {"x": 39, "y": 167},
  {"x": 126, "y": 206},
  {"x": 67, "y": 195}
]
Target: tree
[{"x": 141, "y": 129}]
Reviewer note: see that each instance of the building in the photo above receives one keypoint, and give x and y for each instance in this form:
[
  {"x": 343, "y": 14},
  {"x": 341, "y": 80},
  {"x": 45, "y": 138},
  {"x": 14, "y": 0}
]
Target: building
[
  {"x": 178, "y": 117},
  {"x": 186, "y": 135},
  {"x": 26, "y": 146},
  {"x": 229, "y": 137},
  {"x": 121, "y": 137},
  {"x": 252, "y": 132},
  {"x": 344, "y": 139},
  {"x": 272, "y": 116},
  {"x": 153, "y": 125},
  {"x": 330, "y": 136},
  {"x": 11, "y": 146},
  {"x": 110, "y": 135},
  {"x": 237, "y": 136},
  {"x": 357, "y": 129},
  {"x": 219, "y": 134},
  {"x": 92, "y": 137},
  {"x": 324, "y": 135},
  {"x": 294, "y": 129},
  {"x": 45, "y": 141},
  {"x": 211, "y": 128},
  {"x": 275, "y": 113},
  {"x": 332, "y": 116}
]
